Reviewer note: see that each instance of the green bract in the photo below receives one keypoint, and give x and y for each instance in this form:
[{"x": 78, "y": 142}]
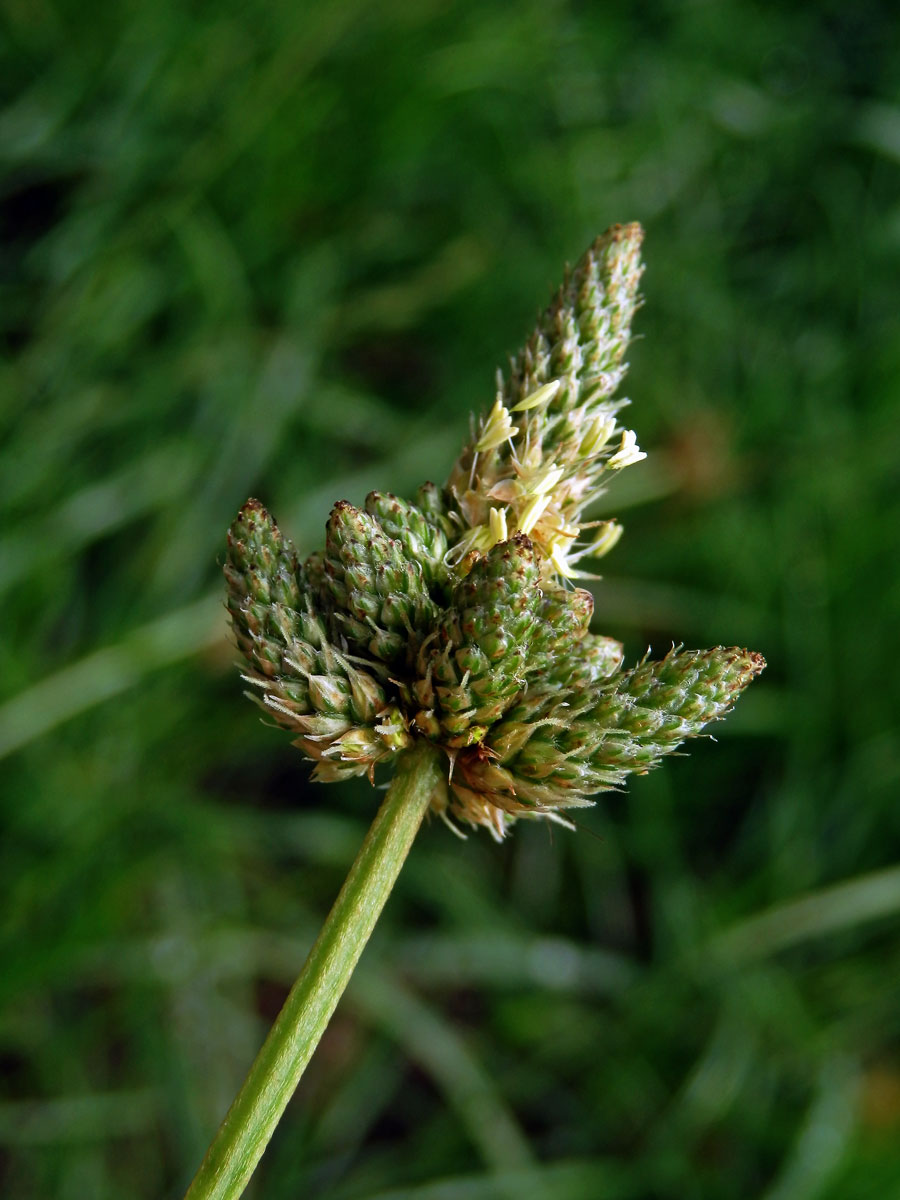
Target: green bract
[{"x": 453, "y": 619}]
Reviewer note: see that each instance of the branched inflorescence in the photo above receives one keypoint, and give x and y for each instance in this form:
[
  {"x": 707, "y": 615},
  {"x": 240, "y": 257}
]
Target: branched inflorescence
[{"x": 454, "y": 619}]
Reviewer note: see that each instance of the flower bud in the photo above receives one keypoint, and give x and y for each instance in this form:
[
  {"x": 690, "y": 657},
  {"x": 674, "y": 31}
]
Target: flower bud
[
  {"x": 562, "y": 625},
  {"x": 596, "y": 657},
  {"x": 423, "y": 540},
  {"x": 301, "y": 679},
  {"x": 264, "y": 587},
  {"x": 379, "y": 595},
  {"x": 475, "y": 665}
]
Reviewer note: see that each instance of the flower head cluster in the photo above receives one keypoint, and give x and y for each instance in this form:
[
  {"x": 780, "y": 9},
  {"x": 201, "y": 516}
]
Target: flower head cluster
[{"x": 454, "y": 619}]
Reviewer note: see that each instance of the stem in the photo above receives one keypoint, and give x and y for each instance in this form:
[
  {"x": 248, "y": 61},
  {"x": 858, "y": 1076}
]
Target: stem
[{"x": 251, "y": 1120}]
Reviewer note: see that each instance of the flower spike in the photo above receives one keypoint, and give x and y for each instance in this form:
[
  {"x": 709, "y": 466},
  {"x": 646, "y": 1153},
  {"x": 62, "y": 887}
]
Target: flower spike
[{"x": 453, "y": 622}]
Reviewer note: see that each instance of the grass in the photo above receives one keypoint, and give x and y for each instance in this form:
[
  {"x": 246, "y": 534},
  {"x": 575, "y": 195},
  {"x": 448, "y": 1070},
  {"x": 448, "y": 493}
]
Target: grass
[{"x": 279, "y": 250}]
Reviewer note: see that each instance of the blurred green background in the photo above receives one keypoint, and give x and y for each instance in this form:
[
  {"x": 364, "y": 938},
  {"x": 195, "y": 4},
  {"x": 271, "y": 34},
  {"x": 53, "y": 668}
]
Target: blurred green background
[{"x": 278, "y": 249}]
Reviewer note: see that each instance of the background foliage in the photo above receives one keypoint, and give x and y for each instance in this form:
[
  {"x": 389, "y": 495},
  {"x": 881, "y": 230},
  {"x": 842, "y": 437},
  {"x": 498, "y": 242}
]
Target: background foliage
[{"x": 277, "y": 249}]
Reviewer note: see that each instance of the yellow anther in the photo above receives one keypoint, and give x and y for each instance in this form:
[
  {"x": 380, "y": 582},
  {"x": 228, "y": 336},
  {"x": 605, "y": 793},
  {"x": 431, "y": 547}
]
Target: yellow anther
[
  {"x": 558, "y": 558},
  {"x": 598, "y": 434},
  {"x": 543, "y": 395},
  {"x": 629, "y": 452},
  {"x": 532, "y": 513},
  {"x": 497, "y": 518},
  {"x": 497, "y": 429},
  {"x": 607, "y": 535},
  {"x": 545, "y": 482}
]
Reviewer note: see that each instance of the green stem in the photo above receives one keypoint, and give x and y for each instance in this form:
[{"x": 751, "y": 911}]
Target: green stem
[{"x": 251, "y": 1120}]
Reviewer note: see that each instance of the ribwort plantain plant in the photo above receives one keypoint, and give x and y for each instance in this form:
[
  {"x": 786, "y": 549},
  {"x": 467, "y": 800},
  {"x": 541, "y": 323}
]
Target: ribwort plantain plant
[{"x": 447, "y": 640}]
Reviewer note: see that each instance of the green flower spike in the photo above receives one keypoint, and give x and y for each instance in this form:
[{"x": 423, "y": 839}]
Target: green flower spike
[
  {"x": 475, "y": 662},
  {"x": 263, "y": 586},
  {"x": 537, "y": 458},
  {"x": 340, "y": 712},
  {"x": 560, "y": 630},
  {"x": 446, "y": 638},
  {"x": 377, "y": 594},
  {"x": 551, "y": 750},
  {"x": 422, "y": 538}
]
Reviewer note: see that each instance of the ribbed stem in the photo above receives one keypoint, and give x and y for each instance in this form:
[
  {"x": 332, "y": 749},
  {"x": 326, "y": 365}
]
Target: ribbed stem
[{"x": 251, "y": 1120}]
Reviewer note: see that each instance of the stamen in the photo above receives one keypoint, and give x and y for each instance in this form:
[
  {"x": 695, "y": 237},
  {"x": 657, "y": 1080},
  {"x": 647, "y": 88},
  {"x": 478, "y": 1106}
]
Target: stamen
[{"x": 543, "y": 395}]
